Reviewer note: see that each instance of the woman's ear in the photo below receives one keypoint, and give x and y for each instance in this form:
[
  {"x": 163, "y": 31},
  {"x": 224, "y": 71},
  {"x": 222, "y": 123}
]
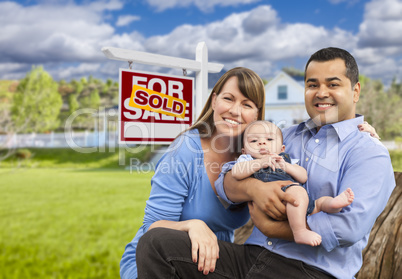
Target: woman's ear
[{"x": 213, "y": 103}]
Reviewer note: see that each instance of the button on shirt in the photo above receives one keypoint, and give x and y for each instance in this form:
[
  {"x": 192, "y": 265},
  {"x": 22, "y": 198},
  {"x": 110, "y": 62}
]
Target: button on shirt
[{"x": 336, "y": 157}]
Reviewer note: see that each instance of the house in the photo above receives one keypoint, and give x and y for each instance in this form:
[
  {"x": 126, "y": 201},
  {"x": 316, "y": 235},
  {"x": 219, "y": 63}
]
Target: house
[{"x": 284, "y": 100}]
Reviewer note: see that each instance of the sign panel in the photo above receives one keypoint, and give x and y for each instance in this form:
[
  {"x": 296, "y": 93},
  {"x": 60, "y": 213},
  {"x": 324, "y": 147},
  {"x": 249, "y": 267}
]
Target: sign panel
[{"x": 154, "y": 108}]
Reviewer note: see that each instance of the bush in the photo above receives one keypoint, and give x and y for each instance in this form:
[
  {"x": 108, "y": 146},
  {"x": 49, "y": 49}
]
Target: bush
[{"x": 23, "y": 153}]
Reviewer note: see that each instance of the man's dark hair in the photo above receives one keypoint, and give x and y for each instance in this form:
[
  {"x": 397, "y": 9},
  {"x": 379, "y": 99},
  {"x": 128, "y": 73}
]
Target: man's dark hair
[{"x": 332, "y": 53}]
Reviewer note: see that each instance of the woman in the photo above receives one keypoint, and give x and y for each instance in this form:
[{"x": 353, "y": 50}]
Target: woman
[{"x": 183, "y": 195}]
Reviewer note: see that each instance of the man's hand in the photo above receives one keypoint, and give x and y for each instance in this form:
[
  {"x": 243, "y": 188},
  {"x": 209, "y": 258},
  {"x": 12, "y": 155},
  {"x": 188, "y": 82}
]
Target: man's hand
[
  {"x": 268, "y": 226},
  {"x": 270, "y": 199}
]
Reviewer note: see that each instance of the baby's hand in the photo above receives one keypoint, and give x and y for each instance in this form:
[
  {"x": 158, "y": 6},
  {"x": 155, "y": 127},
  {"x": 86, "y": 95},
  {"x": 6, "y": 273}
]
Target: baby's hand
[
  {"x": 278, "y": 161},
  {"x": 268, "y": 161}
]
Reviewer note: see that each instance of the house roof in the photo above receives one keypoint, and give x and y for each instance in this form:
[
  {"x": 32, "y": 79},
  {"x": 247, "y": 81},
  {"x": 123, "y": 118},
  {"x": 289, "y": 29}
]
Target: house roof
[{"x": 282, "y": 74}]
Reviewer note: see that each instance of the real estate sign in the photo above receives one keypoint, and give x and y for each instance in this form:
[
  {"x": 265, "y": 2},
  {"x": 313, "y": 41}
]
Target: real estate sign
[{"x": 153, "y": 108}]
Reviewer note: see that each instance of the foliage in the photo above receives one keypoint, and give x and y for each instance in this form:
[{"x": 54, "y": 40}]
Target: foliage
[
  {"x": 92, "y": 100},
  {"x": 23, "y": 153},
  {"x": 73, "y": 104},
  {"x": 396, "y": 159},
  {"x": 90, "y": 94},
  {"x": 7, "y": 88},
  {"x": 36, "y": 103},
  {"x": 382, "y": 109},
  {"x": 61, "y": 223}
]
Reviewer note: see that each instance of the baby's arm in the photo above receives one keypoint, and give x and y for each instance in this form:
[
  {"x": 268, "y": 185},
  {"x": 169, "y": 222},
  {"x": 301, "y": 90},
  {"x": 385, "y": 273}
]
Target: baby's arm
[
  {"x": 297, "y": 172},
  {"x": 244, "y": 169}
]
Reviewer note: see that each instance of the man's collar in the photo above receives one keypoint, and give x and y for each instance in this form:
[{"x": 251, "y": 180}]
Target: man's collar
[{"x": 343, "y": 128}]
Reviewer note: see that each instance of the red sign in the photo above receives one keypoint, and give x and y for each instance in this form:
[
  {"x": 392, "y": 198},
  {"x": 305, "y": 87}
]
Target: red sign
[{"x": 153, "y": 108}]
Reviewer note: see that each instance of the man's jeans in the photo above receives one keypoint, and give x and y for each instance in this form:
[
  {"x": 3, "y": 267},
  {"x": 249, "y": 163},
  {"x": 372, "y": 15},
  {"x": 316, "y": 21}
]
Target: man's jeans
[{"x": 166, "y": 253}]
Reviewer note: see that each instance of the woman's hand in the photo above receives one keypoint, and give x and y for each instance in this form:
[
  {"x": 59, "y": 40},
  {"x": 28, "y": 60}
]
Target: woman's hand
[
  {"x": 204, "y": 244},
  {"x": 365, "y": 127}
]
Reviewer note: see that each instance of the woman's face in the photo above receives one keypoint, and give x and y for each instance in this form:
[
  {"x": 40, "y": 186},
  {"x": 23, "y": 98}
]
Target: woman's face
[{"x": 232, "y": 110}]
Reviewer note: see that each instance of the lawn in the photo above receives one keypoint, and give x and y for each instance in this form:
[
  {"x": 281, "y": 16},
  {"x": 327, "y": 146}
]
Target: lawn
[
  {"x": 64, "y": 214},
  {"x": 68, "y": 223}
]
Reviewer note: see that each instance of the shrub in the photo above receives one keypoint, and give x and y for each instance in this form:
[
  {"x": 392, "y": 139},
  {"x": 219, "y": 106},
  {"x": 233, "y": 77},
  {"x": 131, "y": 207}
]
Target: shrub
[{"x": 23, "y": 153}]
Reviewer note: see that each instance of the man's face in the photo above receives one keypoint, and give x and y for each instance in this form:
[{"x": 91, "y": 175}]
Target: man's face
[{"x": 329, "y": 95}]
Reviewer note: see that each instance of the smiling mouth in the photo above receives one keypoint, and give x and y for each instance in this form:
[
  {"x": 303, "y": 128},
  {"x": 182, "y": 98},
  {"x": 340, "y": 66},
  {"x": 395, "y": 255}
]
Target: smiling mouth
[
  {"x": 323, "y": 105},
  {"x": 230, "y": 121}
]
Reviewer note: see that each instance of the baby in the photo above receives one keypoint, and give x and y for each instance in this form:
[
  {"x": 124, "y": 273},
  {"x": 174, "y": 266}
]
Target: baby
[{"x": 264, "y": 158}]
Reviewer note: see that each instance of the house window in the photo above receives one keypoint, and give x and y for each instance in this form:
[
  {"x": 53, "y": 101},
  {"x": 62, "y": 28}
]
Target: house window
[{"x": 282, "y": 92}]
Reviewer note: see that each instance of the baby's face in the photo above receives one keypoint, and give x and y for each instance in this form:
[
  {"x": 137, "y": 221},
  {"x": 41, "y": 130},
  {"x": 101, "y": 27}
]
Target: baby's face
[{"x": 262, "y": 139}]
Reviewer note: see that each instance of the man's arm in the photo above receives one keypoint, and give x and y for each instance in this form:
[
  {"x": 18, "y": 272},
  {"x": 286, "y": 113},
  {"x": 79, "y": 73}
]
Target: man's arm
[
  {"x": 266, "y": 195},
  {"x": 268, "y": 226},
  {"x": 371, "y": 178}
]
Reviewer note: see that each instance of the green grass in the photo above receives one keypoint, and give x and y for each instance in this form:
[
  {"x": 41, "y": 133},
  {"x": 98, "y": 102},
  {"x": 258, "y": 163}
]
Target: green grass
[
  {"x": 65, "y": 214},
  {"x": 66, "y": 223},
  {"x": 396, "y": 159},
  {"x": 69, "y": 158}
]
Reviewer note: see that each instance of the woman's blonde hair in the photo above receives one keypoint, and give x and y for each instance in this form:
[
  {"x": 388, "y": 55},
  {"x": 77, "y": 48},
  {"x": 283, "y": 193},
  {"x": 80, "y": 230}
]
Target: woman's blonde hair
[{"x": 250, "y": 85}]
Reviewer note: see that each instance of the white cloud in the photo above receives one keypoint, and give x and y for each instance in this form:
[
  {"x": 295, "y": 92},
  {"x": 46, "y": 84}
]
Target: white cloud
[
  {"x": 379, "y": 49},
  {"x": 350, "y": 2},
  {"x": 382, "y": 25},
  {"x": 51, "y": 33},
  {"x": 70, "y": 34},
  {"x": 78, "y": 71},
  {"x": 205, "y": 6},
  {"x": 103, "y": 5},
  {"x": 256, "y": 39},
  {"x": 126, "y": 20}
]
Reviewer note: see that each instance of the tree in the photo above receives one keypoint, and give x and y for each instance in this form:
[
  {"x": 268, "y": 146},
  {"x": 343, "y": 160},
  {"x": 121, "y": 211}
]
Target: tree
[
  {"x": 36, "y": 103},
  {"x": 91, "y": 101},
  {"x": 381, "y": 109},
  {"x": 73, "y": 104}
]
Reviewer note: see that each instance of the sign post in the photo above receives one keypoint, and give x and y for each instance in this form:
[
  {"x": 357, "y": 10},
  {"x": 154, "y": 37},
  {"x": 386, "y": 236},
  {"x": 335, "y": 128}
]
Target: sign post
[{"x": 155, "y": 108}]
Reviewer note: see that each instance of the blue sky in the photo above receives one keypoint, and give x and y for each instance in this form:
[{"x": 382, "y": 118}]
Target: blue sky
[{"x": 66, "y": 36}]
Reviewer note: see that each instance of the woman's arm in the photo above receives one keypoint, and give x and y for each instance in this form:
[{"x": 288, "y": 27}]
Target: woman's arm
[
  {"x": 174, "y": 178},
  {"x": 365, "y": 127},
  {"x": 203, "y": 241}
]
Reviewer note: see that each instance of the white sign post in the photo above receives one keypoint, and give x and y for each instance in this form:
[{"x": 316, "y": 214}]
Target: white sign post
[{"x": 200, "y": 65}]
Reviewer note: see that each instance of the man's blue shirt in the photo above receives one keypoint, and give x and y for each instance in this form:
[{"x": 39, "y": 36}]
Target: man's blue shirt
[{"x": 336, "y": 157}]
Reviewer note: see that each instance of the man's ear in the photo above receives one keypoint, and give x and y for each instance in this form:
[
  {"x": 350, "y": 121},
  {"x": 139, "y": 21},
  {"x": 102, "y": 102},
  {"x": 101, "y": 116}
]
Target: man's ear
[{"x": 356, "y": 92}]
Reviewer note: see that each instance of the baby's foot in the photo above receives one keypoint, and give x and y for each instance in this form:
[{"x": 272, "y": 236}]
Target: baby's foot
[
  {"x": 342, "y": 200},
  {"x": 307, "y": 237}
]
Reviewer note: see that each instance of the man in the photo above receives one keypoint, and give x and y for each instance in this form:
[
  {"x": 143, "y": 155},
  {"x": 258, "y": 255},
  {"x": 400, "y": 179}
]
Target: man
[{"x": 336, "y": 156}]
